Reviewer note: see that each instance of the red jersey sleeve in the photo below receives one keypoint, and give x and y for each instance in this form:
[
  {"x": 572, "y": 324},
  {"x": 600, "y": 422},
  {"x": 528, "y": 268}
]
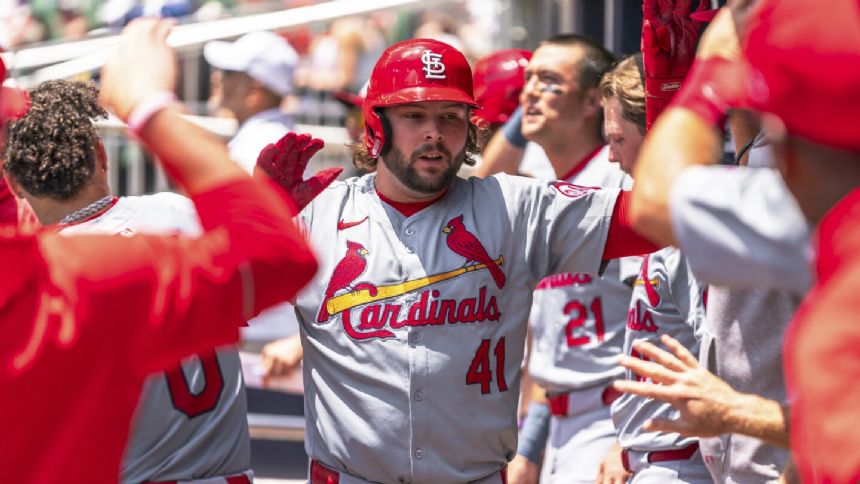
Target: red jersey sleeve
[
  {"x": 822, "y": 369},
  {"x": 622, "y": 240},
  {"x": 8, "y": 204},
  {"x": 168, "y": 297}
]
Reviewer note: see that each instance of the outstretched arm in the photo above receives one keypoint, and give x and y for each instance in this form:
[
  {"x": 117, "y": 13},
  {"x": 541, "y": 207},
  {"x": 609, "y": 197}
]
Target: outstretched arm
[
  {"x": 188, "y": 293},
  {"x": 143, "y": 97},
  {"x": 707, "y": 404},
  {"x": 688, "y": 132}
]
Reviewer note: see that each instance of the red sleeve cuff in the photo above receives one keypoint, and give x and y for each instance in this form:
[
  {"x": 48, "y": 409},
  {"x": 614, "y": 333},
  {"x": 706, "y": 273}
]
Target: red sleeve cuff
[{"x": 622, "y": 240}]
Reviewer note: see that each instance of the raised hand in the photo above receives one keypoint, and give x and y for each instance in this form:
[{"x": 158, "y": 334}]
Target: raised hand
[
  {"x": 669, "y": 38},
  {"x": 281, "y": 358},
  {"x": 126, "y": 78},
  {"x": 706, "y": 403},
  {"x": 285, "y": 162}
]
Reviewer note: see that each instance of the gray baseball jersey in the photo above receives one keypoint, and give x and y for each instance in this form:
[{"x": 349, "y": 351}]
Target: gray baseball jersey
[
  {"x": 741, "y": 227},
  {"x": 666, "y": 300},
  {"x": 190, "y": 422},
  {"x": 577, "y": 320},
  {"x": 413, "y": 329}
]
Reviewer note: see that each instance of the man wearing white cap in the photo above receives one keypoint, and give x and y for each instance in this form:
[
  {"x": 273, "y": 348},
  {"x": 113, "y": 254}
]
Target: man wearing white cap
[{"x": 256, "y": 73}]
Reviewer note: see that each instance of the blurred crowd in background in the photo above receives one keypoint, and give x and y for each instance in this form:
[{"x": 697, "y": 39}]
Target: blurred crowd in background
[{"x": 24, "y": 23}]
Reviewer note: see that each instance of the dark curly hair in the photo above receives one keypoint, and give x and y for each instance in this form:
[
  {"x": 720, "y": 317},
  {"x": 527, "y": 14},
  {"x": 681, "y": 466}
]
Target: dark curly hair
[
  {"x": 51, "y": 151},
  {"x": 477, "y": 138}
]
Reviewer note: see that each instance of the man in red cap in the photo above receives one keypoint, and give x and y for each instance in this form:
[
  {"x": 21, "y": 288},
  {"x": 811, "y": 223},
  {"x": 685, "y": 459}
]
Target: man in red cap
[
  {"x": 810, "y": 119},
  {"x": 81, "y": 313},
  {"x": 414, "y": 331}
]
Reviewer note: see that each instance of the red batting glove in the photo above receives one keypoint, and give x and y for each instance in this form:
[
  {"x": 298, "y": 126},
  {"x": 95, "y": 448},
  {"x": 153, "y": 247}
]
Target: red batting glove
[
  {"x": 714, "y": 86},
  {"x": 285, "y": 162},
  {"x": 669, "y": 38}
]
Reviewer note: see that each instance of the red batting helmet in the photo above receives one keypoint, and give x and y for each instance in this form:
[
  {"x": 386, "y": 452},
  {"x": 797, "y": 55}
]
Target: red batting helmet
[
  {"x": 413, "y": 71},
  {"x": 499, "y": 78}
]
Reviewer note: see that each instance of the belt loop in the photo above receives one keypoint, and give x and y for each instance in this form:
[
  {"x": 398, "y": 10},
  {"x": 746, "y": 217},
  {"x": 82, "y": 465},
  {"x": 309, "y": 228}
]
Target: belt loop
[
  {"x": 558, "y": 405},
  {"x": 240, "y": 479},
  {"x": 684, "y": 453},
  {"x": 610, "y": 394},
  {"x": 625, "y": 460},
  {"x": 321, "y": 474}
]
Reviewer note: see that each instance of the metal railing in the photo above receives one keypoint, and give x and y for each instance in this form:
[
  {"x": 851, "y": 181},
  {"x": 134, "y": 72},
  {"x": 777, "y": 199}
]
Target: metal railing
[
  {"x": 131, "y": 169},
  {"x": 267, "y": 426}
]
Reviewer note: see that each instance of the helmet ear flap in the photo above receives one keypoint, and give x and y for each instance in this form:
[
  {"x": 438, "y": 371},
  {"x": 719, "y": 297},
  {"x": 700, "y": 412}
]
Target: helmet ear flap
[
  {"x": 386, "y": 132},
  {"x": 377, "y": 131}
]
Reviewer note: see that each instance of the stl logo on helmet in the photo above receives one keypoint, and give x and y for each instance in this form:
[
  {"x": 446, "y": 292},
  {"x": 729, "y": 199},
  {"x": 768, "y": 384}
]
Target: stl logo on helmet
[{"x": 433, "y": 66}]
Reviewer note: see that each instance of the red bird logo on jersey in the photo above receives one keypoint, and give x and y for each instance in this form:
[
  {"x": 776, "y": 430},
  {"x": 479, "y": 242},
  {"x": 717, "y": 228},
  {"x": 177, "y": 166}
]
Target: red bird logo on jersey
[
  {"x": 650, "y": 291},
  {"x": 464, "y": 243},
  {"x": 345, "y": 272}
]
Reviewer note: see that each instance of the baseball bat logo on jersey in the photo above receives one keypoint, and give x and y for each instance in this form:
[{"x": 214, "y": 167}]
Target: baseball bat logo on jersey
[
  {"x": 433, "y": 66},
  {"x": 342, "y": 294},
  {"x": 650, "y": 285}
]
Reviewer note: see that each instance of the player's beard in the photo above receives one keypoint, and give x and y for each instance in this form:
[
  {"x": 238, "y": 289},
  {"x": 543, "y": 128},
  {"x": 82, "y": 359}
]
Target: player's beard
[{"x": 406, "y": 173}]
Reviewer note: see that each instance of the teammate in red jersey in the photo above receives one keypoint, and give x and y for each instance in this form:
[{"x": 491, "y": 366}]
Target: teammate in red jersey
[{"x": 81, "y": 313}]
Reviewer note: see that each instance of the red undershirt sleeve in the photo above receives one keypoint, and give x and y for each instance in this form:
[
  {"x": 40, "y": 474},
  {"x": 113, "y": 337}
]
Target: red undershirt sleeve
[{"x": 622, "y": 240}]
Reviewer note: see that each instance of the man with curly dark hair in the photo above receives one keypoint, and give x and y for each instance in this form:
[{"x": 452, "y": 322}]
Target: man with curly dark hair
[
  {"x": 56, "y": 161},
  {"x": 85, "y": 318},
  {"x": 54, "y": 152}
]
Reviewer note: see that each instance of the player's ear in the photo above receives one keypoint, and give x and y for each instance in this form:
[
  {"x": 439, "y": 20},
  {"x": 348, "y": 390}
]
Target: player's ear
[
  {"x": 775, "y": 132},
  {"x": 101, "y": 156},
  {"x": 593, "y": 102}
]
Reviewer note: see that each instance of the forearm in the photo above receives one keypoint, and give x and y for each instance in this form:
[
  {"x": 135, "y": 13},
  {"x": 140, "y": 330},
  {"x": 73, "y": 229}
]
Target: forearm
[
  {"x": 504, "y": 153},
  {"x": 680, "y": 139},
  {"x": 194, "y": 158},
  {"x": 532, "y": 439},
  {"x": 761, "y": 418},
  {"x": 499, "y": 156},
  {"x": 789, "y": 474},
  {"x": 263, "y": 238}
]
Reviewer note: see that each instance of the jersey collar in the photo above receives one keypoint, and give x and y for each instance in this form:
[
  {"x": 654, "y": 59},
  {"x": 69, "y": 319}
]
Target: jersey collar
[{"x": 577, "y": 168}]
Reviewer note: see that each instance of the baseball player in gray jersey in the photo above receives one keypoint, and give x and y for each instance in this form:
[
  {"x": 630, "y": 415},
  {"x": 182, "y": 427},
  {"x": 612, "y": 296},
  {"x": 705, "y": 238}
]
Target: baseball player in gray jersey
[
  {"x": 413, "y": 333},
  {"x": 190, "y": 422},
  {"x": 577, "y": 323},
  {"x": 577, "y": 320},
  {"x": 734, "y": 222},
  {"x": 666, "y": 300}
]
